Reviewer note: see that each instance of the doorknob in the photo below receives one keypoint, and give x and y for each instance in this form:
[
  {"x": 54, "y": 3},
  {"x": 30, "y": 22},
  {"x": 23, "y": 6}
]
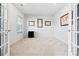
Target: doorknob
[{"x": 9, "y": 30}]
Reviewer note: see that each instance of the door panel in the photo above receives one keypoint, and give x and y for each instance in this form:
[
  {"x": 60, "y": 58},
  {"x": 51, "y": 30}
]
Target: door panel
[
  {"x": 77, "y": 24},
  {"x": 77, "y": 10},
  {"x": 4, "y": 43},
  {"x": 75, "y": 31}
]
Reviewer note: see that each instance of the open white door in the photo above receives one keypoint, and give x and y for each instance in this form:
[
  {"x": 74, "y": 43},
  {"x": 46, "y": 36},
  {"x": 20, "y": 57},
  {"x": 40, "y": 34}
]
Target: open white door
[
  {"x": 73, "y": 33},
  {"x": 4, "y": 42}
]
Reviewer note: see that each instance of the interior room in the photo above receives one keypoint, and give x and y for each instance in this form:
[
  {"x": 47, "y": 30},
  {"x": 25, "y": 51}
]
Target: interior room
[{"x": 39, "y": 29}]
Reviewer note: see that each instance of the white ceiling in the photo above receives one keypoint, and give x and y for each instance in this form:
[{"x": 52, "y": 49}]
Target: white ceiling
[{"x": 40, "y": 8}]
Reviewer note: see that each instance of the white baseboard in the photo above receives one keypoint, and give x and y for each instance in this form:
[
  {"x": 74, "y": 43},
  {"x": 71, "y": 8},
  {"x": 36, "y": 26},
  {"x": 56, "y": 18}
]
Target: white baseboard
[
  {"x": 15, "y": 41},
  {"x": 62, "y": 41}
]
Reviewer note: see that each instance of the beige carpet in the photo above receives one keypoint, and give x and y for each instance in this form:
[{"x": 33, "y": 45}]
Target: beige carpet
[{"x": 39, "y": 47}]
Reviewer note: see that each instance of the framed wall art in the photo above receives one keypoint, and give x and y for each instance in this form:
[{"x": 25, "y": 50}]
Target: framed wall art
[
  {"x": 39, "y": 23},
  {"x": 64, "y": 20},
  {"x": 47, "y": 23},
  {"x": 31, "y": 23}
]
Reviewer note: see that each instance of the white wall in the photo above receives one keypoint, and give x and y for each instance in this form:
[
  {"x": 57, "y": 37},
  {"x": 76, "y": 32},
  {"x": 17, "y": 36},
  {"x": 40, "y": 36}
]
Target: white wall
[
  {"x": 45, "y": 32},
  {"x": 61, "y": 32},
  {"x": 13, "y": 12}
]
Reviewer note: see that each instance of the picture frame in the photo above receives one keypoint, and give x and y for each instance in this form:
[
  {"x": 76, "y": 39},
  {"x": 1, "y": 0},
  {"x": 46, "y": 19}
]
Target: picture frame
[
  {"x": 40, "y": 23},
  {"x": 47, "y": 23},
  {"x": 31, "y": 23},
  {"x": 64, "y": 20}
]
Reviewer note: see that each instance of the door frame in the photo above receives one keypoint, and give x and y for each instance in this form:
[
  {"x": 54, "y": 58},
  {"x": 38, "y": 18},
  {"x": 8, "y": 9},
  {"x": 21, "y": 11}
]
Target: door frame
[{"x": 72, "y": 30}]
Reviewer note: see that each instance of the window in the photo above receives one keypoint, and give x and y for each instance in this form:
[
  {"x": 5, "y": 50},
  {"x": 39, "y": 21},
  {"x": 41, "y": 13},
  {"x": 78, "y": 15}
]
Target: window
[{"x": 19, "y": 24}]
